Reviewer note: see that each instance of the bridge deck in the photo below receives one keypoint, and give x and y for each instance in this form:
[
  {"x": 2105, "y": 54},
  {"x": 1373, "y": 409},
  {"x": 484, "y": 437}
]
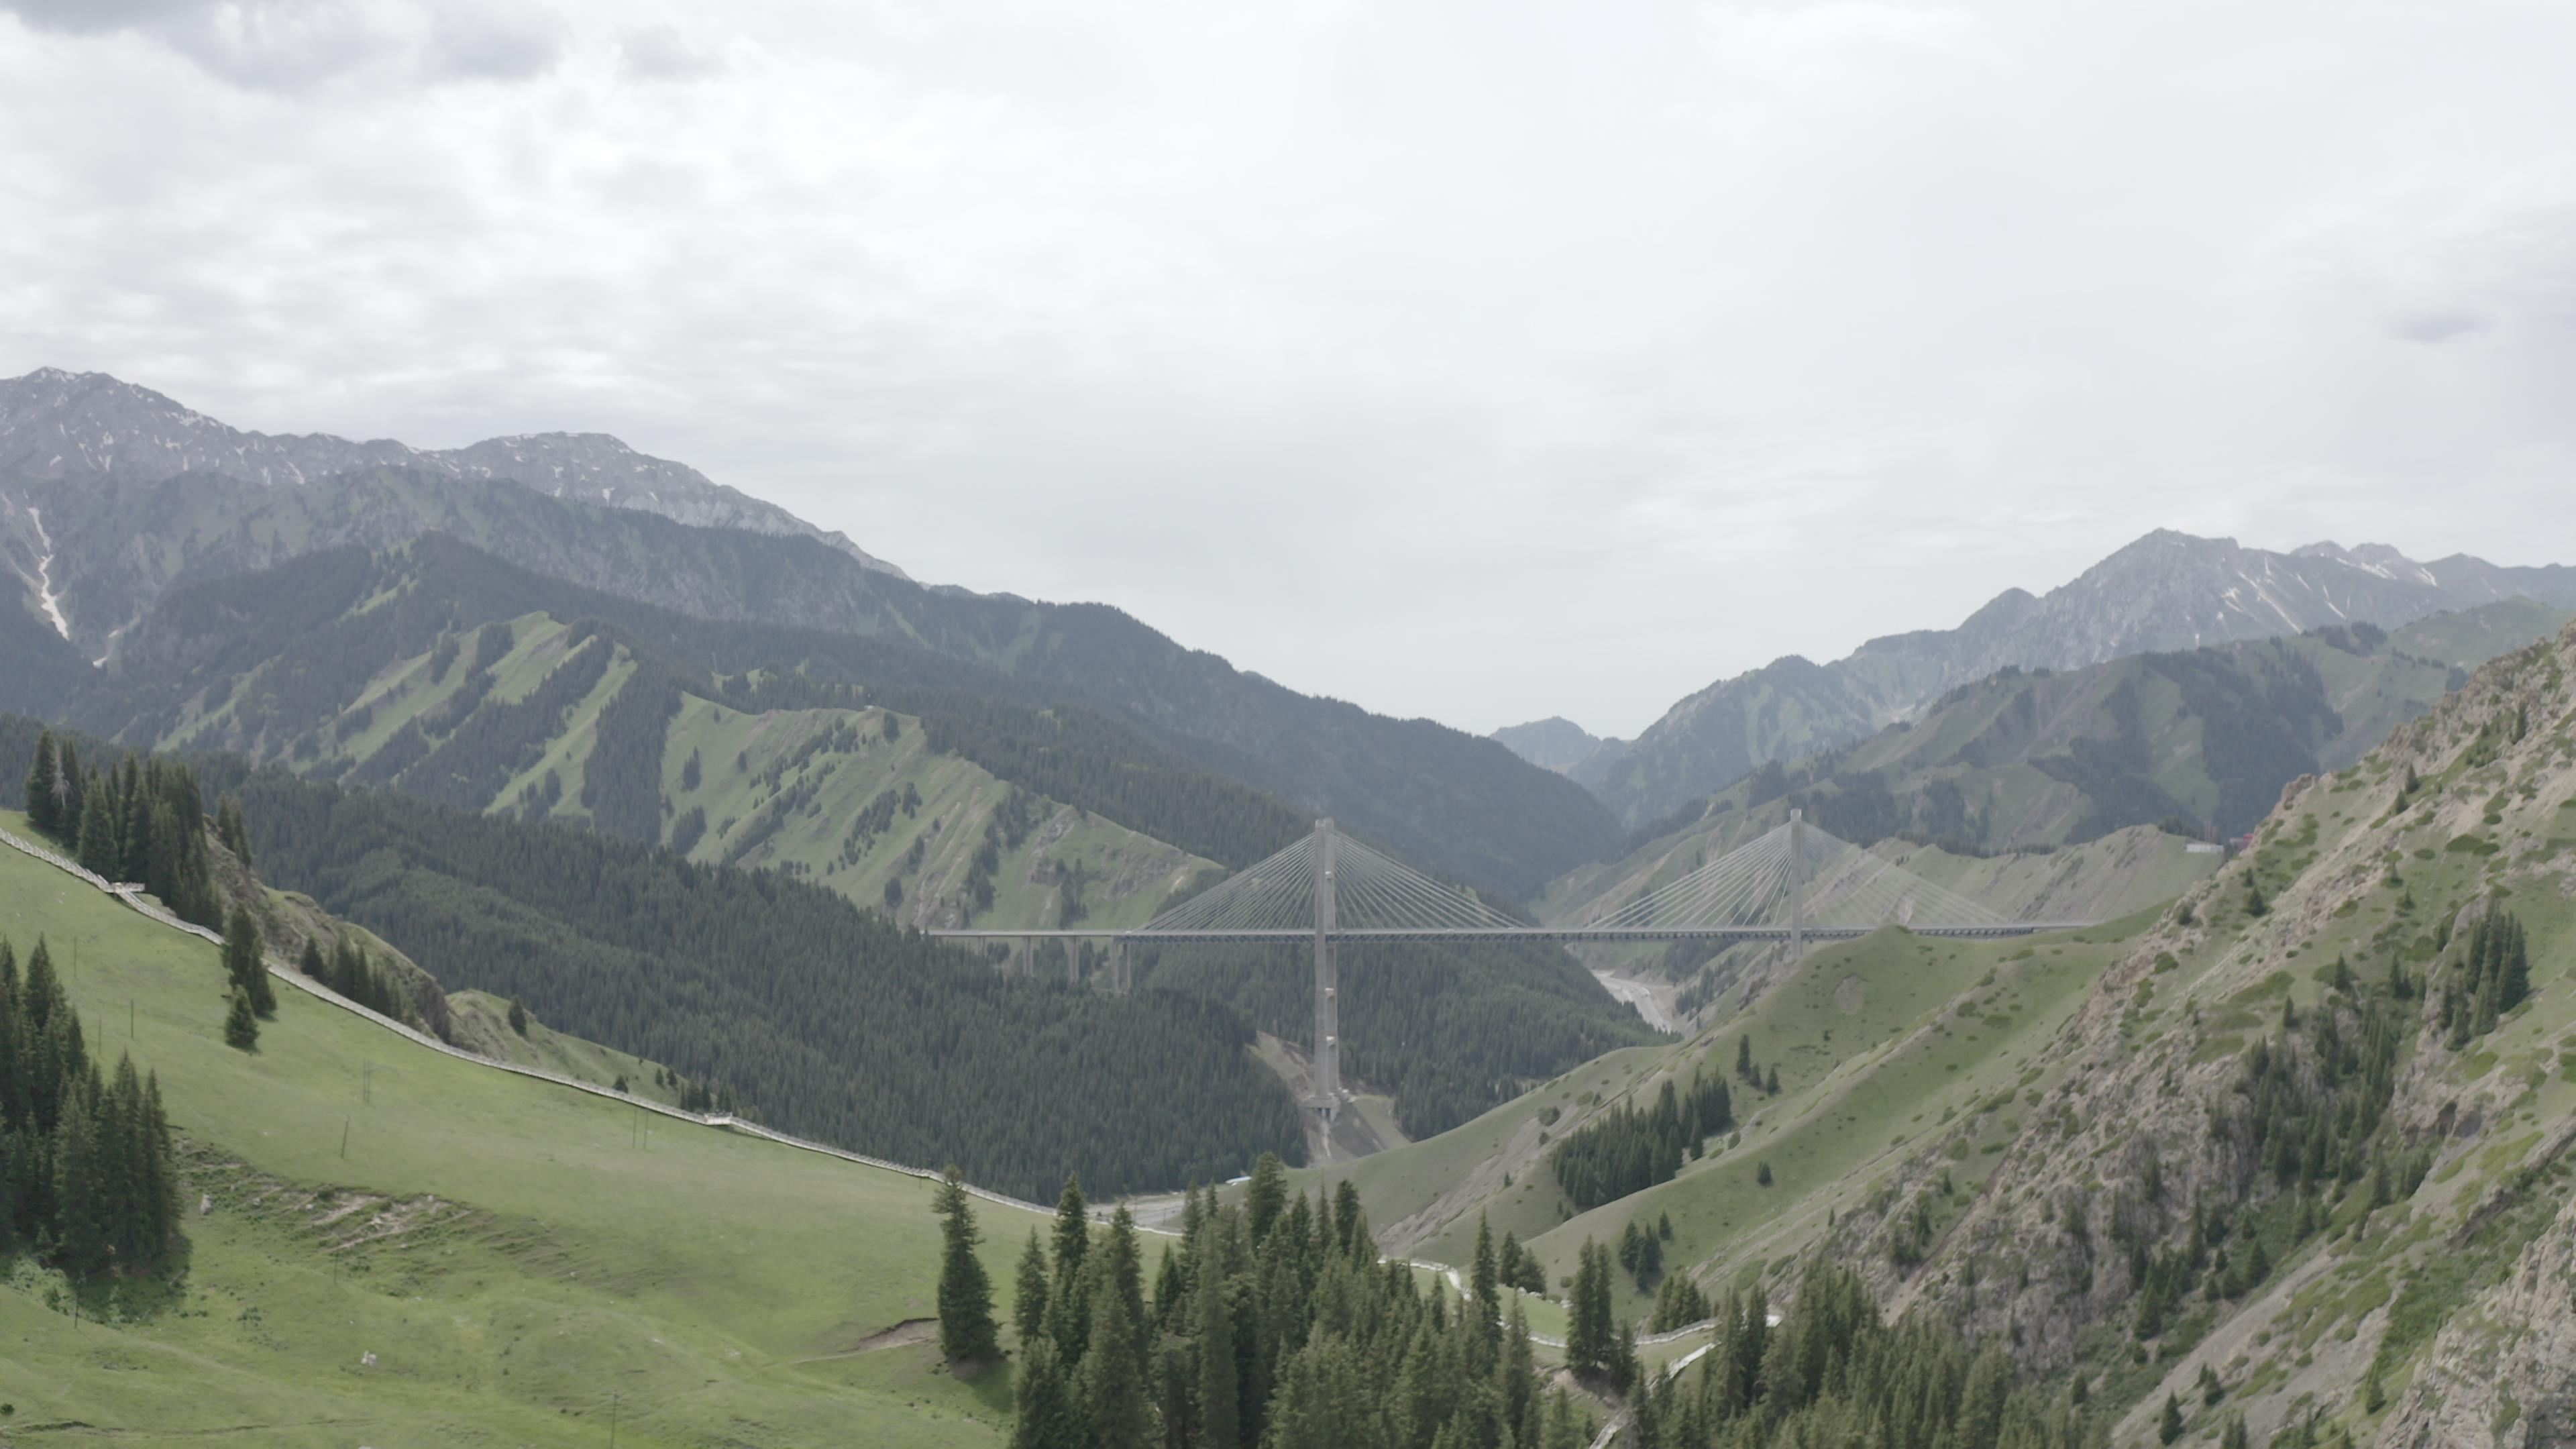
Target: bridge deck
[{"x": 1991, "y": 931}]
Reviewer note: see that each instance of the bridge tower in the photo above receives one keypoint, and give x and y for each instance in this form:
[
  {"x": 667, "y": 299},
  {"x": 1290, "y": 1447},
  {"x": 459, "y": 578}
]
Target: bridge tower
[
  {"x": 1328, "y": 1017},
  {"x": 1797, "y": 884}
]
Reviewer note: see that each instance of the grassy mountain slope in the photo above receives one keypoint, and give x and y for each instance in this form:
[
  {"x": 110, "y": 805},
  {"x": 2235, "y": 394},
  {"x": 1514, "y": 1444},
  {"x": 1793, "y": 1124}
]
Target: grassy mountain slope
[
  {"x": 510, "y": 1253},
  {"x": 1467, "y": 806},
  {"x": 848, "y": 807},
  {"x": 2288, "y": 1135},
  {"x": 2147, "y": 1122},
  {"x": 1877, "y": 1041},
  {"x": 403, "y": 676}
]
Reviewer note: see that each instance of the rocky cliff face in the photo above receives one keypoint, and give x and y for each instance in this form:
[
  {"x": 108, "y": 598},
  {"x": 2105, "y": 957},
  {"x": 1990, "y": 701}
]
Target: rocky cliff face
[
  {"x": 2503, "y": 1373},
  {"x": 56, "y": 424},
  {"x": 2227, "y": 1088}
]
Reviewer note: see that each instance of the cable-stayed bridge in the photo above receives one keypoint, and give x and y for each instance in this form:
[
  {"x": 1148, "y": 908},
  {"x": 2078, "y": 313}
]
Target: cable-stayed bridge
[{"x": 1795, "y": 884}]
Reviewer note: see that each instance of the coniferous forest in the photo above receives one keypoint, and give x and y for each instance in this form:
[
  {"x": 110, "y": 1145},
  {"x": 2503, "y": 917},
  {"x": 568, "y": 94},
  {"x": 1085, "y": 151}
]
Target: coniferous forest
[
  {"x": 87, "y": 1184},
  {"x": 1629, "y": 1149},
  {"x": 797, "y": 1006},
  {"x": 1832, "y": 1372},
  {"x": 1270, "y": 1322},
  {"x": 141, "y": 820}
]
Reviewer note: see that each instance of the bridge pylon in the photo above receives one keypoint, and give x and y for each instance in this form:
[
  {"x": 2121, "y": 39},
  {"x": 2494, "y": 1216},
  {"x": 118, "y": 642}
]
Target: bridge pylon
[{"x": 1327, "y": 1065}]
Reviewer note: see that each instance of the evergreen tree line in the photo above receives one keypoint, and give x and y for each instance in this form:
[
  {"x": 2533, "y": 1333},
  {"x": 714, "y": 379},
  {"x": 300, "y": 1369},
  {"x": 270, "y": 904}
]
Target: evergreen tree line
[
  {"x": 1628, "y": 1149},
  {"x": 140, "y": 820},
  {"x": 87, "y": 1180},
  {"x": 1832, "y": 1373},
  {"x": 1269, "y": 1323},
  {"x": 2491, "y": 977},
  {"x": 1448, "y": 1031},
  {"x": 824, "y": 1019},
  {"x": 347, "y": 971}
]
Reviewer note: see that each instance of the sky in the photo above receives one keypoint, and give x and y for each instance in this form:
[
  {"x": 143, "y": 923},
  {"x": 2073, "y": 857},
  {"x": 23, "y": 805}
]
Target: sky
[{"x": 1482, "y": 361}]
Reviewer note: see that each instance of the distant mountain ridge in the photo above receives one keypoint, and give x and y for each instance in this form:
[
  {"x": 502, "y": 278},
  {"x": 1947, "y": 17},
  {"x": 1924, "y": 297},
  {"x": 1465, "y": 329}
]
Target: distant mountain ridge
[
  {"x": 2167, "y": 591},
  {"x": 56, "y": 424},
  {"x": 1555, "y": 743}
]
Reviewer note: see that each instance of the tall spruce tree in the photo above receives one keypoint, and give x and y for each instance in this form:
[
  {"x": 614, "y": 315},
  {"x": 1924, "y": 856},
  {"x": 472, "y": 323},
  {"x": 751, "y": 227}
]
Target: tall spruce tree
[
  {"x": 43, "y": 808},
  {"x": 99, "y": 852},
  {"x": 1029, "y": 1300},
  {"x": 1069, "y": 1300},
  {"x": 241, "y": 1024},
  {"x": 967, "y": 1334},
  {"x": 246, "y": 962}
]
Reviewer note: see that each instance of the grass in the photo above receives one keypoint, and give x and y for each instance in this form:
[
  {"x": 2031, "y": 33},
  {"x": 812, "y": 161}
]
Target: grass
[
  {"x": 1882, "y": 1045},
  {"x": 712, "y": 1283}
]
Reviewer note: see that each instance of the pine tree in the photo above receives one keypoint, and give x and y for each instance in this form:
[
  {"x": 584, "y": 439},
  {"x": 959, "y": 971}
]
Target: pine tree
[
  {"x": 1744, "y": 1058},
  {"x": 41, "y": 809},
  {"x": 311, "y": 962},
  {"x": 1069, "y": 1301},
  {"x": 518, "y": 1017},
  {"x": 1218, "y": 1379},
  {"x": 967, "y": 1334},
  {"x": 1029, "y": 1301},
  {"x": 1049, "y": 1417},
  {"x": 245, "y": 964},
  {"x": 1485, "y": 1281},
  {"x": 2169, "y": 1423},
  {"x": 1266, "y": 1196},
  {"x": 80, "y": 1206},
  {"x": 233, "y": 830},
  {"x": 97, "y": 850},
  {"x": 241, "y": 1024},
  {"x": 1115, "y": 1405}
]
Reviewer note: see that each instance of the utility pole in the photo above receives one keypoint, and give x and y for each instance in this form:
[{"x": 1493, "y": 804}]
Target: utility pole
[
  {"x": 1328, "y": 1017},
  {"x": 1797, "y": 884}
]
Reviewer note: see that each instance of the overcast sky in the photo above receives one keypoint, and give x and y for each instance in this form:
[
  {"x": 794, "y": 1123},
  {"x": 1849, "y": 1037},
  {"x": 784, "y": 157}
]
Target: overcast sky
[{"x": 1474, "y": 360}]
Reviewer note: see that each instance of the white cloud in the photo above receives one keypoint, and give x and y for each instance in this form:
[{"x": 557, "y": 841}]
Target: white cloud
[{"x": 1484, "y": 362}]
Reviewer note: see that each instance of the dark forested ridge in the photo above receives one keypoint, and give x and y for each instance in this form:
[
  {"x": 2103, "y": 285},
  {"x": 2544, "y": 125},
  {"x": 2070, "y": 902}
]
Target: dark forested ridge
[
  {"x": 1463, "y": 804},
  {"x": 302, "y": 638},
  {"x": 825, "y": 1019},
  {"x": 1448, "y": 1031},
  {"x": 815, "y": 1015}
]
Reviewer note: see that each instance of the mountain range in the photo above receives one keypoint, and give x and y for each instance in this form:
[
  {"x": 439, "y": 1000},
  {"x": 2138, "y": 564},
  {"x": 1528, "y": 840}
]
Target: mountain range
[
  {"x": 56, "y": 424},
  {"x": 115, "y": 501},
  {"x": 2165, "y": 592}
]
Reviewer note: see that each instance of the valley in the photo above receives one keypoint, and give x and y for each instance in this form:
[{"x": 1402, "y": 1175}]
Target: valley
[{"x": 665, "y": 800}]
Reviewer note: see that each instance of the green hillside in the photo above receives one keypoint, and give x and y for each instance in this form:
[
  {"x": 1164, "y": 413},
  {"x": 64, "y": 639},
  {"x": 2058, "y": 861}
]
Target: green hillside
[
  {"x": 841, "y": 797},
  {"x": 1876, "y": 1042},
  {"x": 858, "y": 799},
  {"x": 184, "y": 562},
  {"x": 2291, "y": 1150},
  {"x": 489, "y": 1260}
]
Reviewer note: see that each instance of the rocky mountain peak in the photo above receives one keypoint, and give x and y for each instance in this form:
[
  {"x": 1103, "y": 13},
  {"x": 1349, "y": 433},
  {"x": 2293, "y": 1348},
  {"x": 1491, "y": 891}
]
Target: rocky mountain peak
[{"x": 57, "y": 424}]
